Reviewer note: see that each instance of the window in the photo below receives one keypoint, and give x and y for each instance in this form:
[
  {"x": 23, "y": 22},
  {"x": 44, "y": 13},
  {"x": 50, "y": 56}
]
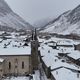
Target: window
[
  {"x": 0, "y": 70},
  {"x": 9, "y": 65},
  {"x": 22, "y": 65}
]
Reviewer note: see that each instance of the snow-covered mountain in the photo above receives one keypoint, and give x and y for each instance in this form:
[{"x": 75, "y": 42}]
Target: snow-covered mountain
[
  {"x": 10, "y": 19},
  {"x": 66, "y": 23}
]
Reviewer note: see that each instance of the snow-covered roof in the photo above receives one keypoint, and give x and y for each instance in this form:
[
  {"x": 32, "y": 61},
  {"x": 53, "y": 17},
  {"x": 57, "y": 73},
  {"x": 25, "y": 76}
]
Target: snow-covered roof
[
  {"x": 60, "y": 41},
  {"x": 1, "y": 60},
  {"x": 50, "y": 58},
  {"x": 75, "y": 54},
  {"x": 65, "y": 74},
  {"x": 14, "y": 47}
]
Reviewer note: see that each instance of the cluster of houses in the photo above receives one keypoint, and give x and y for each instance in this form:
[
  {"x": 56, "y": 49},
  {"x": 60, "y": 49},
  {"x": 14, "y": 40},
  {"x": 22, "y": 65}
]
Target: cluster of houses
[
  {"x": 58, "y": 56},
  {"x": 50, "y": 57}
]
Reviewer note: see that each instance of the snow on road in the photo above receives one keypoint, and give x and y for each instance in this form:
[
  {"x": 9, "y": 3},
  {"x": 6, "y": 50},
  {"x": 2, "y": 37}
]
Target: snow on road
[{"x": 17, "y": 78}]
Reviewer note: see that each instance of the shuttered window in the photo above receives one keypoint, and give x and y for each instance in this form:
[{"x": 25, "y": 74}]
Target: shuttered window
[
  {"x": 9, "y": 65},
  {"x": 22, "y": 65}
]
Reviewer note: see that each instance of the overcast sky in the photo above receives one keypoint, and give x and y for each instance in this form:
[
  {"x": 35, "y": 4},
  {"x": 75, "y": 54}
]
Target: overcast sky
[{"x": 33, "y": 10}]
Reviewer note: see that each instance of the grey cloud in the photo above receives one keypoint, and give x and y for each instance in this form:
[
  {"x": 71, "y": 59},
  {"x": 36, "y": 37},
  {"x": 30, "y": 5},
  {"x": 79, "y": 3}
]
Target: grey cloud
[{"x": 33, "y": 10}]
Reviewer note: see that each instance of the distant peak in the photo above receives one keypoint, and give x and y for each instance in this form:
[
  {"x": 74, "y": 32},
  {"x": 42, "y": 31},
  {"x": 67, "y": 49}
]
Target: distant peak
[{"x": 78, "y": 7}]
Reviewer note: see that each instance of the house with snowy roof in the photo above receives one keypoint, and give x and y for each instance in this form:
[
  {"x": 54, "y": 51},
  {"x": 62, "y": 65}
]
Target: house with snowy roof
[{"x": 59, "y": 62}]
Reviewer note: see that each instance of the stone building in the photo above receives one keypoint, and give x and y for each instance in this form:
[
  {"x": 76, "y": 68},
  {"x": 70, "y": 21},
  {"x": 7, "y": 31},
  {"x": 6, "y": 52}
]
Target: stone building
[
  {"x": 16, "y": 65},
  {"x": 16, "y": 61}
]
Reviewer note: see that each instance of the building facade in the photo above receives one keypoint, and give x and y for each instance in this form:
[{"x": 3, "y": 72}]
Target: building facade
[{"x": 16, "y": 65}]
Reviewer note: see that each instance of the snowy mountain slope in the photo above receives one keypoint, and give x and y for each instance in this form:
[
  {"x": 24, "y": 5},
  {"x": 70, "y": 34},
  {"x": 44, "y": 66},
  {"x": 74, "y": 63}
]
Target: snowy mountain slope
[
  {"x": 66, "y": 23},
  {"x": 10, "y": 19},
  {"x": 42, "y": 22}
]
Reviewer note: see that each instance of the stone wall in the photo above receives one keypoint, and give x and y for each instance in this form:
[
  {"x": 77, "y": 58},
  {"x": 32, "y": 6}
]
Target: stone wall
[
  {"x": 16, "y": 65},
  {"x": 1, "y": 69}
]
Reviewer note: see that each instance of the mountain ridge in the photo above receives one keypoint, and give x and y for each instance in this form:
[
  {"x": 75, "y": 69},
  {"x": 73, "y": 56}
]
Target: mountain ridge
[
  {"x": 11, "y": 19},
  {"x": 66, "y": 23}
]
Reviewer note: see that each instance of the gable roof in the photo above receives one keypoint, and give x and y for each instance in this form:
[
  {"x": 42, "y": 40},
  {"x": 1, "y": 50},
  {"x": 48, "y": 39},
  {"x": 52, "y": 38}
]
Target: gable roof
[{"x": 13, "y": 47}]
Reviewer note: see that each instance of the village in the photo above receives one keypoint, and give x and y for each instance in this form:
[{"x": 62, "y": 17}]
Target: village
[
  {"x": 39, "y": 40},
  {"x": 39, "y": 57}
]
